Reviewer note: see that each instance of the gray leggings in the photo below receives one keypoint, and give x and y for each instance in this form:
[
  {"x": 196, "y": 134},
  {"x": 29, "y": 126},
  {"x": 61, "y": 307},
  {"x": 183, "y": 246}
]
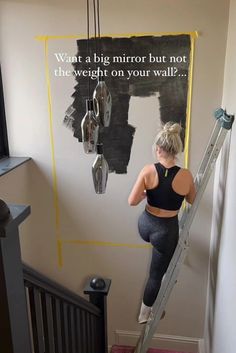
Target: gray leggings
[{"x": 163, "y": 234}]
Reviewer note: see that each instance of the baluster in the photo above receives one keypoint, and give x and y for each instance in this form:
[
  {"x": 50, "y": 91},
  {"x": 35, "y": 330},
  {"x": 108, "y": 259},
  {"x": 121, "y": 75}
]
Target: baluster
[
  {"x": 65, "y": 327},
  {"x": 79, "y": 338},
  {"x": 36, "y": 319},
  {"x": 29, "y": 317},
  {"x": 48, "y": 323},
  {"x": 72, "y": 329},
  {"x": 57, "y": 325}
]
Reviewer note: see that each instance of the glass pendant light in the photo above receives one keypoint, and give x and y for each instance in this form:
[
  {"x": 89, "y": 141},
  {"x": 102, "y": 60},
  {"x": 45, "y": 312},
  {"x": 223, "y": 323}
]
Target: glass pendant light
[
  {"x": 101, "y": 95},
  {"x": 89, "y": 128},
  {"x": 93, "y": 119},
  {"x": 100, "y": 171},
  {"x": 102, "y": 102}
]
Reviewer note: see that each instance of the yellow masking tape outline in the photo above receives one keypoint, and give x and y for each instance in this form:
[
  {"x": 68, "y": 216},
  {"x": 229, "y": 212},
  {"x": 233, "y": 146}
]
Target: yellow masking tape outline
[
  {"x": 60, "y": 241},
  {"x": 54, "y": 171},
  {"x": 106, "y": 243},
  {"x": 189, "y": 104},
  {"x": 59, "y": 252},
  {"x": 193, "y": 34}
]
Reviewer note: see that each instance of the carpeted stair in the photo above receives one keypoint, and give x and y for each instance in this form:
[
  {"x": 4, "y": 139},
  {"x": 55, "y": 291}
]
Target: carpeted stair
[{"x": 127, "y": 349}]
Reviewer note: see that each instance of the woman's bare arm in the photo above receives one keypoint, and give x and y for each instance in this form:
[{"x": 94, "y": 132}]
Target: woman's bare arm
[
  {"x": 190, "y": 197},
  {"x": 138, "y": 192}
]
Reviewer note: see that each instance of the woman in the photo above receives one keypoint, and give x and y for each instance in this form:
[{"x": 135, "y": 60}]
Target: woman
[{"x": 164, "y": 185}]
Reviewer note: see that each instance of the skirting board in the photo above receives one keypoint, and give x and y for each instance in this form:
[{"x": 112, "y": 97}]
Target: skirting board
[
  {"x": 177, "y": 343},
  {"x": 201, "y": 346}
]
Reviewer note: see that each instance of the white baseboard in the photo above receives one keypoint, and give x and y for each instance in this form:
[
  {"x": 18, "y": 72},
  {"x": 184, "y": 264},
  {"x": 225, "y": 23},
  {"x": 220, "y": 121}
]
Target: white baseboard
[
  {"x": 177, "y": 343},
  {"x": 201, "y": 346}
]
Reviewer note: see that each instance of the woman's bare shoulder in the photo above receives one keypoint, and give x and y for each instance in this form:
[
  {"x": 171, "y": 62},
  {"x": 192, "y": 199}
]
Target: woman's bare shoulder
[
  {"x": 148, "y": 169},
  {"x": 186, "y": 173}
]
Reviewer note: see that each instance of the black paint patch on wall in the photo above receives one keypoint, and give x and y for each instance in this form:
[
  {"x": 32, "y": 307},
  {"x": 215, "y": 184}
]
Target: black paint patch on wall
[{"x": 173, "y": 90}]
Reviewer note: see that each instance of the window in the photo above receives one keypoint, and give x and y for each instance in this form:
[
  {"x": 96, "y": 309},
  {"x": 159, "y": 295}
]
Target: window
[{"x": 4, "y": 150}]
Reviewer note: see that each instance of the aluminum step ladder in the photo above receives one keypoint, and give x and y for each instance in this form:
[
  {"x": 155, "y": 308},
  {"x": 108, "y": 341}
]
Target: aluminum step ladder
[{"x": 222, "y": 126}]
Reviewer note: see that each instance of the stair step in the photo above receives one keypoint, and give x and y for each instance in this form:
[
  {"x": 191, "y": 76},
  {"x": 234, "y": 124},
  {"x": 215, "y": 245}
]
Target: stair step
[{"x": 128, "y": 349}]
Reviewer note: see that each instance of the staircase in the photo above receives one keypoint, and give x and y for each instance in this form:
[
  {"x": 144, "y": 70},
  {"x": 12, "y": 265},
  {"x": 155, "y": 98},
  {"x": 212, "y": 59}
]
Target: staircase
[{"x": 37, "y": 315}]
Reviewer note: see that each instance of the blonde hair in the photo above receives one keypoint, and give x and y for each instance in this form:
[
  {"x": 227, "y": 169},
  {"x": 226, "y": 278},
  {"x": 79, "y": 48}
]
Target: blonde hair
[{"x": 169, "y": 139}]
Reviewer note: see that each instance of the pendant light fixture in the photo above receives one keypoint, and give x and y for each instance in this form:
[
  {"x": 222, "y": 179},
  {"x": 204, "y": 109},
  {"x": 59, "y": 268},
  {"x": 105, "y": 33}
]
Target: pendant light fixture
[
  {"x": 102, "y": 102},
  {"x": 100, "y": 171},
  {"x": 89, "y": 124},
  {"x": 101, "y": 95},
  {"x": 98, "y": 111},
  {"x": 89, "y": 128}
]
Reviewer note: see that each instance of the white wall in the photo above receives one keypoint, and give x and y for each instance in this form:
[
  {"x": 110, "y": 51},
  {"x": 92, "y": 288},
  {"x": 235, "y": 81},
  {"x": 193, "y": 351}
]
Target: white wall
[
  {"x": 83, "y": 214},
  {"x": 220, "y": 324}
]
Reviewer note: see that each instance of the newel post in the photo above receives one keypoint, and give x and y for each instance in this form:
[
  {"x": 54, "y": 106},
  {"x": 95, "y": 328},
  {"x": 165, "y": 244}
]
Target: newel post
[
  {"x": 98, "y": 289},
  {"x": 14, "y": 326}
]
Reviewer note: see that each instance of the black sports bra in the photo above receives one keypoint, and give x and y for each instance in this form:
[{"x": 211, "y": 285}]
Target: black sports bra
[{"x": 163, "y": 196}]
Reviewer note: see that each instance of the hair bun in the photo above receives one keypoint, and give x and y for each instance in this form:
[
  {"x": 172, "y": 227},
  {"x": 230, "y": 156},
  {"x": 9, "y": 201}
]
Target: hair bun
[
  {"x": 169, "y": 138},
  {"x": 172, "y": 128}
]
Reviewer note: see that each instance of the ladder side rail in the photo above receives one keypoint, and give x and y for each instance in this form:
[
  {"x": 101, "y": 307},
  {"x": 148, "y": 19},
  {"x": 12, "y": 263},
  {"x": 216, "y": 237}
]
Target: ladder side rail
[
  {"x": 172, "y": 273},
  {"x": 198, "y": 183},
  {"x": 184, "y": 230},
  {"x": 201, "y": 169},
  {"x": 205, "y": 179},
  {"x": 184, "y": 215},
  {"x": 180, "y": 247},
  {"x": 223, "y": 124},
  {"x": 207, "y": 152},
  {"x": 152, "y": 324},
  {"x": 222, "y": 120},
  {"x": 168, "y": 280},
  {"x": 158, "y": 305}
]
